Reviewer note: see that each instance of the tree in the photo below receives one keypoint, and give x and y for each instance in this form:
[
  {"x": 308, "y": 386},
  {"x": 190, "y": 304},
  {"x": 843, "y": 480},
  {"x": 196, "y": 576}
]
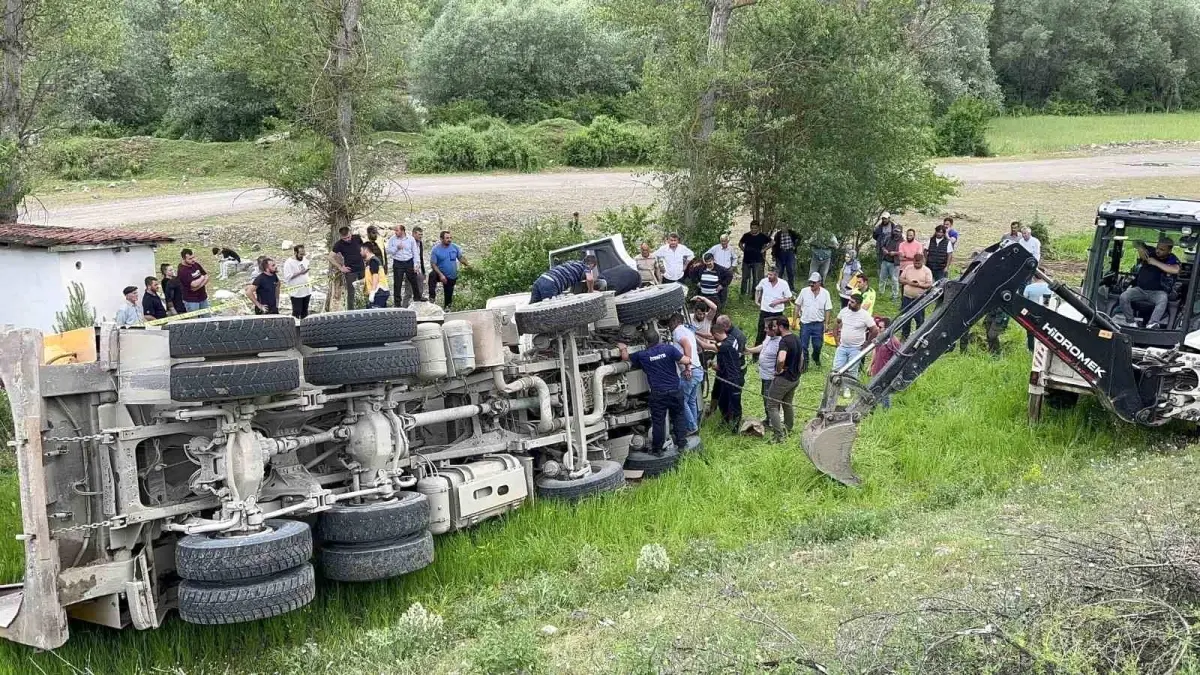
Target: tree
[
  {"x": 44, "y": 43},
  {"x": 78, "y": 313},
  {"x": 324, "y": 60},
  {"x": 520, "y": 57}
]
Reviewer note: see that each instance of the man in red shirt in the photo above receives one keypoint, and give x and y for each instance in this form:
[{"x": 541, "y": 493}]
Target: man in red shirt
[
  {"x": 884, "y": 353},
  {"x": 193, "y": 280}
]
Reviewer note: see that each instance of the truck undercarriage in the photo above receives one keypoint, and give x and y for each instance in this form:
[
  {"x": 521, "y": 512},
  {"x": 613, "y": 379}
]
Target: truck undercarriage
[{"x": 220, "y": 466}]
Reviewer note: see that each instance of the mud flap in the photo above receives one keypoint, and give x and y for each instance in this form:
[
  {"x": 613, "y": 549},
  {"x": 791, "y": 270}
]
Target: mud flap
[{"x": 828, "y": 446}]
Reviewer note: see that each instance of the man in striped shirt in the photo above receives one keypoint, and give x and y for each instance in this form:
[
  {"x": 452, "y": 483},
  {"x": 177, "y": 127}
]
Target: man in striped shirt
[{"x": 563, "y": 277}]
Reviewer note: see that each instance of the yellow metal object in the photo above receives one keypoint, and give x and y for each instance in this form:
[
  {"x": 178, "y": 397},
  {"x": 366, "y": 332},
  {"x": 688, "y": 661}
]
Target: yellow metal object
[{"x": 76, "y": 346}]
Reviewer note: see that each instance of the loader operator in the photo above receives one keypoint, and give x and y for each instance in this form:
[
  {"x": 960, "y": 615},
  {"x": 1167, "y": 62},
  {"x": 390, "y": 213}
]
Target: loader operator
[
  {"x": 563, "y": 277},
  {"x": 1152, "y": 283},
  {"x": 659, "y": 361}
]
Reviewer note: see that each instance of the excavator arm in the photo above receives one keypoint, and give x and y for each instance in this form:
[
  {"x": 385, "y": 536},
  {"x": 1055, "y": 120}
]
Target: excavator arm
[{"x": 1095, "y": 348}]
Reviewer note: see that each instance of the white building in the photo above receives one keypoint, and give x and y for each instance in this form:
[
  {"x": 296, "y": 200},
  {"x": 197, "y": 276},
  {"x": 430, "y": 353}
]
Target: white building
[{"x": 39, "y": 262}]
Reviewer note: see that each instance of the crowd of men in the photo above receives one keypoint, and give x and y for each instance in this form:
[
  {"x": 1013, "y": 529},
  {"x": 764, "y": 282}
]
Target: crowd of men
[{"x": 363, "y": 264}]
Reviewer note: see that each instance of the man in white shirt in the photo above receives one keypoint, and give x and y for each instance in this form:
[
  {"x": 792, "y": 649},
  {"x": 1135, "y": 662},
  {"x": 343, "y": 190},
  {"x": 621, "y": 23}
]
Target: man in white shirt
[
  {"x": 1030, "y": 243},
  {"x": 813, "y": 306},
  {"x": 855, "y": 327},
  {"x": 772, "y": 295},
  {"x": 724, "y": 254},
  {"x": 691, "y": 376},
  {"x": 402, "y": 249},
  {"x": 675, "y": 258},
  {"x": 295, "y": 277}
]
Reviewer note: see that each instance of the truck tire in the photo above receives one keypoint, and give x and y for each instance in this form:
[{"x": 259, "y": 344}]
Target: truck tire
[
  {"x": 358, "y": 328},
  {"x": 560, "y": 313},
  {"x": 364, "y": 364},
  {"x": 232, "y": 336},
  {"x": 281, "y": 545},
  {"x": 605, "y": 477},
  {"x": 374, "y": 561},
  {"x": 652, "y": 302},
  {"x": 403, "y": 516},
  {"x": 234, "y": 379},
  {"x": 214, "y": 603},
  {"x": 650, "y": 464}
]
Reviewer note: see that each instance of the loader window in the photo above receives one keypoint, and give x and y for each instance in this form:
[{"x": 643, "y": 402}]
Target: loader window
[{"x": 1118, "y": 258}]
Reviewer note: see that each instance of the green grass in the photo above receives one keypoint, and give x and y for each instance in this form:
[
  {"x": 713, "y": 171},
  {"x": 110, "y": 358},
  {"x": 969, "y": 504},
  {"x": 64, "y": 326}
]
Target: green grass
[
  {"x": 958, "y": 434},
  {"x": 1040, "y": 134}
]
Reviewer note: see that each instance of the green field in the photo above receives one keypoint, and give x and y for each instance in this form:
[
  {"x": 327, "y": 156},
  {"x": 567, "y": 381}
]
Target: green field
[
  {"x": 958, "y": 435},
  {"x": 1041, "y": 134}
]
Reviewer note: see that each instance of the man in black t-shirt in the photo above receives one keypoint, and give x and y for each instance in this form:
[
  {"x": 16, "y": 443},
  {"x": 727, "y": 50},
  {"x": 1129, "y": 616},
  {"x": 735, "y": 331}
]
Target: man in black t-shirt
[
  {"x": 152, "y": 305},
  {"x": 781, "y": 414},
  {"x": 754, "y": 245},
  {"x": 731, "y": 370},
  {"x": 349, "y": 247},
  {"x": 264, "y": 290}
]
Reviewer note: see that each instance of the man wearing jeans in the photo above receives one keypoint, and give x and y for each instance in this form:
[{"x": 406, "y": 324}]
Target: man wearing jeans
[
  {"x": 813, "y": 306},
  {"x": 889, "y": 265},
  {"x": 658, "y": 361},
  {"x": 754, "y": 245},
  {"x": 772, "y": 295},
  {"x": 1157, "y": 273},
  {"x": 915, "y": 281},
  {"x": 193, "y": 280},
  {"x": 855, "y": 327},
  {"x": 691, "y": 376}
]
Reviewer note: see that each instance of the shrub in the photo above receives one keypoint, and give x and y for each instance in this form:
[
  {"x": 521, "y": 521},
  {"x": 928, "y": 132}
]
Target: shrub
[
  {"x": 507, "y": 651},
  {"x": 94, "y": 158},
  {"x": 634, "y": 223},
  {"x": 550, "y": 135},
  {"x": 456, "y": 112},
  {"x": 606, "y": 142},
  {"x": 518, "y": 256},
  {"x": 962, "y": 131},
  {"x": 461, "y": 148}
]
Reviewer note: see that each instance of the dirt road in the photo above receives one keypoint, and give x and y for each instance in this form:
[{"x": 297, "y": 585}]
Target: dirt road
[{"x": 203, "y": 204}]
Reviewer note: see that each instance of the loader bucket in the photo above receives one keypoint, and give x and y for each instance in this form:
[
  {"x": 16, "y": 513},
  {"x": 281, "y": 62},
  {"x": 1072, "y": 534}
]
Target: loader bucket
[{"x": 828, "y": 447}]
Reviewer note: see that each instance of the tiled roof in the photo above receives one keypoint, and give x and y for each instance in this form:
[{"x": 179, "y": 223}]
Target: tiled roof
[{"x": 45, "y": 236}]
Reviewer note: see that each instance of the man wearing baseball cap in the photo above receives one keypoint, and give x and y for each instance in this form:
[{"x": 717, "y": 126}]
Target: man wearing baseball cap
[{"x": 813, "y": 306}]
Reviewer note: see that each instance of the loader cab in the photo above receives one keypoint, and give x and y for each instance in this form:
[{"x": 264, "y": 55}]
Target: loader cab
[{"x": 1123, "y": 228}]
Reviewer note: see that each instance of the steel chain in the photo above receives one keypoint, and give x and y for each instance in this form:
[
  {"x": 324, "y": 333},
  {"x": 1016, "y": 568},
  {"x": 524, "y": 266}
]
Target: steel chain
[
  {"x": 102, "y": 437},
  {"x": 110, "y": 523}
]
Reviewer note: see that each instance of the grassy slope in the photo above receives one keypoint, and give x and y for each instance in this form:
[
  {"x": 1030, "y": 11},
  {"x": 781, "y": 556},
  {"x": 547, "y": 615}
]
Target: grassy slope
[
  {"x": 958, "y": 435},
  {"x": 1045, "y": 133}
]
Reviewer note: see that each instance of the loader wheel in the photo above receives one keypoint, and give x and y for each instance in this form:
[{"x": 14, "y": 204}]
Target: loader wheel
[
  {"x": 280, "y": 545},
  {"x": 365, "y": 364},
  {"x": 374, "y": 521},
  {"x": 358, "y": 328},
  {"x": 234, "y": 379},
  {"x": 650, "y": 464},
  {"x": 605, "y": 476},
  {"x": 213, "y": 603},
  {"x": 373, "y": 561},
  {"x": 232, "y": 336},
  {"x": 560, "y": 313},
  {"x": 651, "y": 302}
]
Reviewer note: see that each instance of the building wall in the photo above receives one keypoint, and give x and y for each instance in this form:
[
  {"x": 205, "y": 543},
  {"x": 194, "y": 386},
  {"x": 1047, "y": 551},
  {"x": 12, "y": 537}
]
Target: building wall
[
  {"x": 34, "y": 282},
  {"x": 104, "y": 272},
  {"x": 30, "y": 288}
]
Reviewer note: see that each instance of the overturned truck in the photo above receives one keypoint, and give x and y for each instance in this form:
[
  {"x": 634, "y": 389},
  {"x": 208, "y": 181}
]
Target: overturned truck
[{"x": 221, "y": 466}]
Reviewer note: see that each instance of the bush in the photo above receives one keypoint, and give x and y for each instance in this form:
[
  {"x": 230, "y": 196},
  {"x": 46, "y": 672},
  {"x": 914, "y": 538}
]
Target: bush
[
  {"x": 1066, "y": 108},
  {"x": 394, "y": 111},
  {"x": 606, "y": 142},
  {"x": 509, "y": 651},
  {"x": 462, "y": 148},
  {"x": 518, "y": 256},
  {"x": 962, "y": 131},
  {"x": 550, "y": 135},
  {"x": 456, "y": 112},
  {"x": 93, "y": 158},
  {"x": 634, "y": 223}
]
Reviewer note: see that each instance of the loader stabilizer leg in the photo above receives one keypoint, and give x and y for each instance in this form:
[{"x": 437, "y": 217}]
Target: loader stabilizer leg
[{"x": 30, "y": 614}]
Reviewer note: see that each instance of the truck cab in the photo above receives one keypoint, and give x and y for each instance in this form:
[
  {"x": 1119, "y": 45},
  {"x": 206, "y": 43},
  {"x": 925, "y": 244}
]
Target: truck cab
[{"x": 1124, "y": 228}]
